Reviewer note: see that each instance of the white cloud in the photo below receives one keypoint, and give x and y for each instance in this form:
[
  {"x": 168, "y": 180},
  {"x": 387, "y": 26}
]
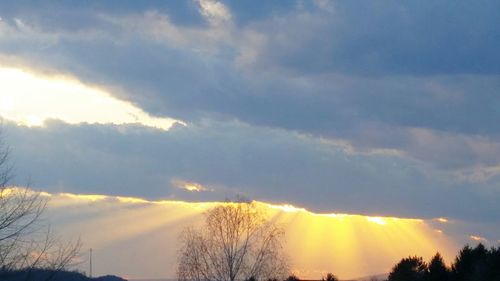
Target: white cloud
[
  {"x": 476, "y": 174},
  {"x": 477, "y": 238},
  {"x": 325, "y": 5},
  {"x": 214, "y": 12},
  {"x": 30, "y": 99},
  {"x": 158, "y": 27}
]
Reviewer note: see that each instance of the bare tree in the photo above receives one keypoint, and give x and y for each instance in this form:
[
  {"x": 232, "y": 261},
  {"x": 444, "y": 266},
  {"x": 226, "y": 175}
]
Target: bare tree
[
  {"x": 237, "y": 242},
  {"x": 25, "y": 243}
]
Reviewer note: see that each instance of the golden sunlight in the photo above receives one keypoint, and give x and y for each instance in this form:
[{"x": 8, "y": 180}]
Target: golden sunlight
[
  {"x": 377, "y": 220},
  {"x": 30, "y": 99},
  {"x": 342, "y": 242},
  {"x": 349, "y": 245}
]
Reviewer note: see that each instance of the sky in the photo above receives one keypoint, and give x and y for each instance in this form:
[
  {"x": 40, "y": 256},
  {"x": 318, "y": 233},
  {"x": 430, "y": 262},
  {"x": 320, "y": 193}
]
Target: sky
[
  {"x": 348, "y": 245},
  {"x": 379, "y": 109}
]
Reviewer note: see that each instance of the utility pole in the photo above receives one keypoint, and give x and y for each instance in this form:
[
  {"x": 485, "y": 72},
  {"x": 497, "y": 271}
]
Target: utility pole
[{"x": 90, "y": 263}]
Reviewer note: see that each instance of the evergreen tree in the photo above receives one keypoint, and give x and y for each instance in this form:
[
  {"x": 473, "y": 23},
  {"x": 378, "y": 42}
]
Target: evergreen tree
[
  {"x": 409, "y": 269},
  {"x": 471, "y": 264},
  {"x": 493, "y": 264},
  {"x": 437, "y": 270}
]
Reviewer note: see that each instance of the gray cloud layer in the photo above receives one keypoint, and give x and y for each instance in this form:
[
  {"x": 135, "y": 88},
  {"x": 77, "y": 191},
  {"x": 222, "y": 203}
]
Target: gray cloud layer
[
  {"x": 418, "y": 80},
  {"x": 235, "y": 158}
]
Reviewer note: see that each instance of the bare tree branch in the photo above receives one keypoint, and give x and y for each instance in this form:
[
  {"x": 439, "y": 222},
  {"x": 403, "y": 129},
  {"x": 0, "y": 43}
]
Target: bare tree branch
[
  {"x": 25, "y": 243},
  {"x": 236, "y": 243}
]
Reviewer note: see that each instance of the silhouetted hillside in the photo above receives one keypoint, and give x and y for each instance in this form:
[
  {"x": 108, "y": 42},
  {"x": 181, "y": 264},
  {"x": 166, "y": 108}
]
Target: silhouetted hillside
[{"x": 50, "y": 275}]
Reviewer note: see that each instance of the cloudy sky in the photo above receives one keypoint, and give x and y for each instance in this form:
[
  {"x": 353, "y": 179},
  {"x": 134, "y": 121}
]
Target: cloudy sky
[{"x": 385, "y": 108}]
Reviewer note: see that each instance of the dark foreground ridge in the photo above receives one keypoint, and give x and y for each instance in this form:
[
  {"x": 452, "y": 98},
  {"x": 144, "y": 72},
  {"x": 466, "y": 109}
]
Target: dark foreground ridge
[{"x": 51, "y": 275}]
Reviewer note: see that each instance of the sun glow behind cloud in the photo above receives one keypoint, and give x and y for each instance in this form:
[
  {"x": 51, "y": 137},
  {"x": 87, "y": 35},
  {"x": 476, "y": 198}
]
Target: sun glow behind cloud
[
  {"x": 30, "y": 99},
  {"x": 189, "y": 186},
  {"x": 377, "y": 220},
  {"x": 349, "y": 245}
]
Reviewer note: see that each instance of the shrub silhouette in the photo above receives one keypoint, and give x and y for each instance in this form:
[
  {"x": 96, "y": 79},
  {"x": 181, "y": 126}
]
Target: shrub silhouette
[
  {"x": 330, "y": 277},
  {"x": 292, "y": 278}
]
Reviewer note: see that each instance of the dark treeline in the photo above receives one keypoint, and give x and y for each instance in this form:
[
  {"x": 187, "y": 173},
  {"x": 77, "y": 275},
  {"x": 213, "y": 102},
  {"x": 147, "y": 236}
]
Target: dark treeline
[
  {"x": 471, "y": 264},
  {"x": 50, "y": 275}
]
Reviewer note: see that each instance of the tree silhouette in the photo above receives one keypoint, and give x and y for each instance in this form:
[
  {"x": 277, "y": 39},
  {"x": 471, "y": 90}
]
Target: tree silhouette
[
  {"x": 494, "y": 264},
  {"x": 477, "y": 264},
  {"x": 24, "y": 243},
  {"x": 471, "y": 264},
  {"x": 292, "y": 278},
  {"x": 437, "y": 270},
  {"x": 237, "y": 242},
  {"x": 409, "y": 269}
]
